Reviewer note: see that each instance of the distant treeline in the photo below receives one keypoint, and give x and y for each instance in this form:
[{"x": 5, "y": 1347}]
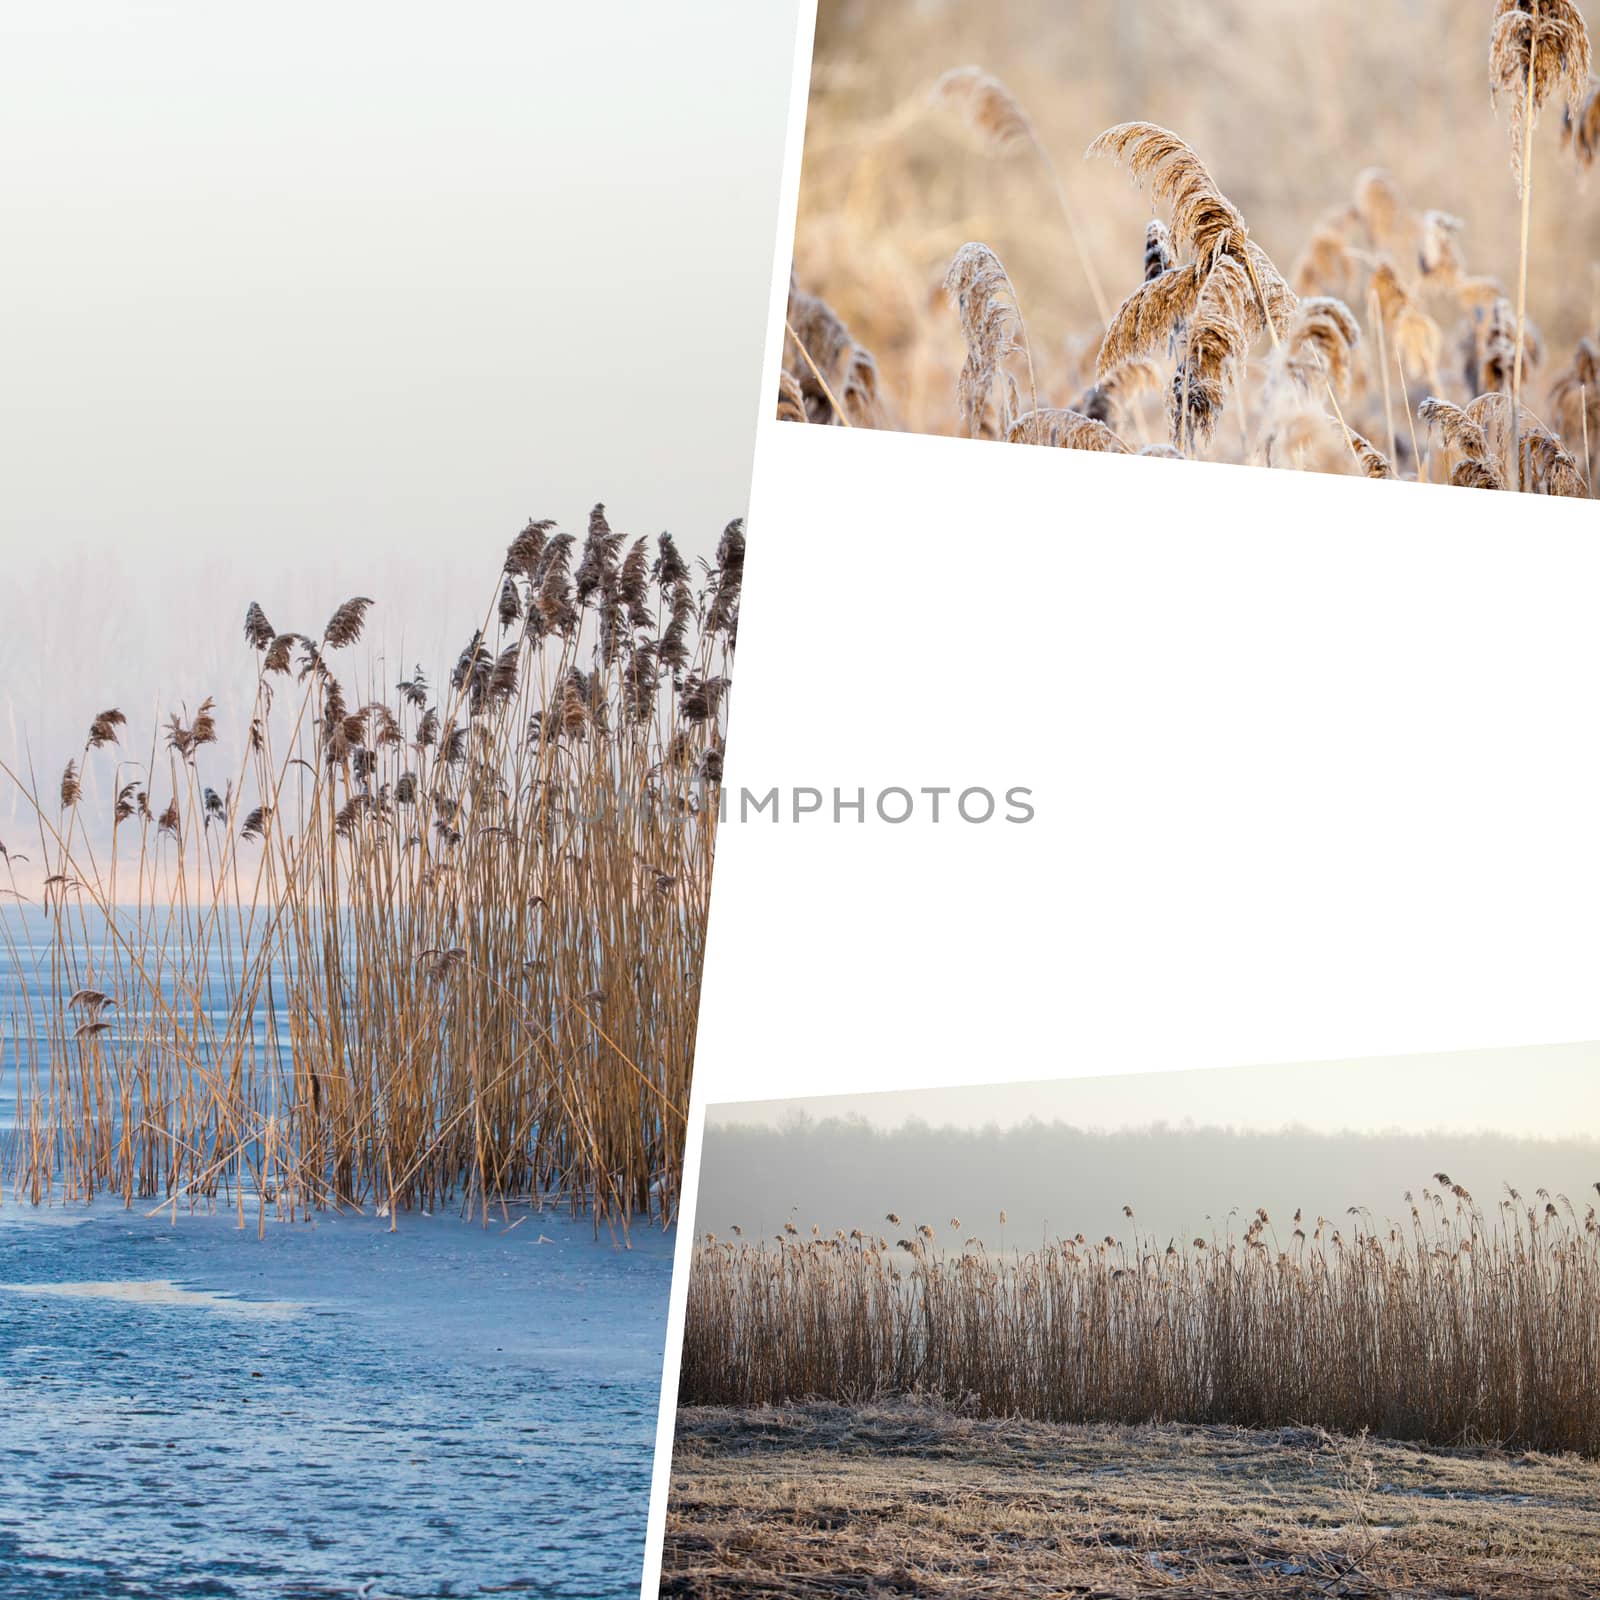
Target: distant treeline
[{"x": 1051, "y": 1177}]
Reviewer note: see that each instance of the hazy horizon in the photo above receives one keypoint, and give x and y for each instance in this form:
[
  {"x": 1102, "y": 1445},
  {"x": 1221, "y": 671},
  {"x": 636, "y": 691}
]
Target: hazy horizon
[
  {"x": 1546, "y": 1090},
  {"x": 334, "y": 306},
  {"x": 1182, "y": 1148},
  {"x": 1052, "y": 1178}
]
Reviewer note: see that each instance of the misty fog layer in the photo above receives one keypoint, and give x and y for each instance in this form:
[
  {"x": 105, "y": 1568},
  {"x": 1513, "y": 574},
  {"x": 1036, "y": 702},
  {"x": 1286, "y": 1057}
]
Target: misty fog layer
[
  {"x": 334, "y": 307},
  {"x": 1053, "y": 1179}
]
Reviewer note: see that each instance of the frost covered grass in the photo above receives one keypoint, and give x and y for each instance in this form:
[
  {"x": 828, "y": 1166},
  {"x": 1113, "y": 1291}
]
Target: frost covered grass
[
  {"x": 1333, "y": 247},
  {"x": 910, "y": 1498}
]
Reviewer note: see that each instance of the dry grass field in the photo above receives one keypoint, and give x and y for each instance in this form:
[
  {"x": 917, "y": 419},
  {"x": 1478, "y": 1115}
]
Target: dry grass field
[
  {"x": 1355, "y": 241},
  {"x": 910, "y": 1499},
  {"x": 428, "y": 941}
]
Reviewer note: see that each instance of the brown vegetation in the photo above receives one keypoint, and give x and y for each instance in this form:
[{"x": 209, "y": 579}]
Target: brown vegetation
[
  {"x": 1455, "y": 1327},
  {"x": 1333, "y": 363},
  {"x": 425, "y": 942},
  {"x": 915, "y": 1499}
]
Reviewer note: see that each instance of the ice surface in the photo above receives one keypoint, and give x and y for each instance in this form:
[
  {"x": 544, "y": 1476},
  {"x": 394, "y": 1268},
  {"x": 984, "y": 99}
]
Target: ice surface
[
  {"x": 159, "y": 1292},
  {"x": 335, "y": 1409}
]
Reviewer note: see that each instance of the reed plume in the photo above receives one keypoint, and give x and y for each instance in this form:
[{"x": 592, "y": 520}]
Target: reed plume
[
  {"x": 1001, "y": 127},
  {"x": 1321, "y": 343},
  {"x": 1439, "y": 249},
  {"x": 1205, "y": 223},
  {"x": 991, "y": 324},
  {"x": 1065, "y": 430},
  {"x": 791, "y": 399},
  {"x": 1546, "y": 465},
  {"x": 836, "y": 380},
  {"x": 1380, "y": 206},
  {"x": 1414, "y": 336},
  {"x": 1113, "y": 400},
  {"x": 1373, "y": 462},
  {"x": 257, "y": 630},
  {"x": 103, "y": 730},
  {"x": 1222, "y": 325},
  {"x": 991, "y": 112},
  {"x": 1537, "y": 48},
  {"x": 1575, "y": 398},
  {"x": 1325, "y": 266},
  {"x": 1581, "y": 126},
  {"x": 1159, "y": 255},
  {"x": 1156, "y": 314},
  {"x": 1463, "y": 434},
  {"x": 1498, "y": 350},
  {"x": 1225, "y": 297}
]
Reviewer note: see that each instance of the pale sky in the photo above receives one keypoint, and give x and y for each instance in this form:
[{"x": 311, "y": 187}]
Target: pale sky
[
  {"x": 1542, "y": 1092},
  {"x": 326, "y": 300}
]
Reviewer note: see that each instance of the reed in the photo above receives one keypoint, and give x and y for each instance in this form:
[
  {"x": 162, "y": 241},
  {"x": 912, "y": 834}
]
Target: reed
[
  {"x": 1537, "y": 48},
  {"x": 996, "y": 120},
  {"x": 1328, "y": 366},
  {"x": 422, "y": 943},
  {"x": 1457, "y": 1326}
]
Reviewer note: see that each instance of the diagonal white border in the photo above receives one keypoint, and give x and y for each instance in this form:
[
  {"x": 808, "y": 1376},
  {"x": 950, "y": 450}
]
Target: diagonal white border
[{"x": 783, "y": 249}]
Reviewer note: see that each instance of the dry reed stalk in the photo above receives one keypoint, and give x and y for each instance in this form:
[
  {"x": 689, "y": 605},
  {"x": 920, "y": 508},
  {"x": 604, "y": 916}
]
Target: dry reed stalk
[
  {"x": 1454, "y": 1327},
  {"x": 1536, "y": 49},
  {"x": 816, "y": 374},
  {"x": 417, "y": 945},
  {"x": 1588, "y": 460},
  {"x": 1002, "y": 128}
]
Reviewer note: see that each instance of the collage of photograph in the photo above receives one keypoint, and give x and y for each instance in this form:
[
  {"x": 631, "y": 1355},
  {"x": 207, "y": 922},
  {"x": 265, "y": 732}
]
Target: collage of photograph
[{"x": 1094, "y": 1094}]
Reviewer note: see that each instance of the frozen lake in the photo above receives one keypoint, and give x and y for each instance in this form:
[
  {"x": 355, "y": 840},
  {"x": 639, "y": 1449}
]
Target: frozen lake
[
  {"x": 26, "y": 978},
  {"x": 334, "y": 1410}
]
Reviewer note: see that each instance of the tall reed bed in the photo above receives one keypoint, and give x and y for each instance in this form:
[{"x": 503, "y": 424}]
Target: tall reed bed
[
  {"x": 422, "y": 942},
  {"x": 1457, "y": 1326},
  {"x": 1376, "y": 350}
]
